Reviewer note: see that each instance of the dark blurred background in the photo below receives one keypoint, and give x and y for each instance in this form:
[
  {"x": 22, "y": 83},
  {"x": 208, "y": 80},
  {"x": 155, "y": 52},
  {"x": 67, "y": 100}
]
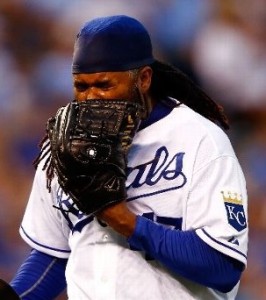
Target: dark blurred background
[{"x": 219, "y": 43}]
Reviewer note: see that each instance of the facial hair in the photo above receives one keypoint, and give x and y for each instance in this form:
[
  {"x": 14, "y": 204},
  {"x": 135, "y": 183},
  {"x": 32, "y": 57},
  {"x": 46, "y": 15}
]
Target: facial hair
[{"x": 135, "y": 95}]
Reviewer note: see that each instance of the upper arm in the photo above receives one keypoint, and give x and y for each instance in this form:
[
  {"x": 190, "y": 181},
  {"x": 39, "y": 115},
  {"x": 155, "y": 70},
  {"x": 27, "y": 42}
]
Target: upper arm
[
  {"x": 42, "y": 226},
  {"x": 217, "y": 207}
]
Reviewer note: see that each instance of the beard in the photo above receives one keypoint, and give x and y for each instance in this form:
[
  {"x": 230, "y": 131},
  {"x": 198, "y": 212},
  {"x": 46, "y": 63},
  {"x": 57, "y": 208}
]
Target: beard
[{"x": 135, "y": 95}]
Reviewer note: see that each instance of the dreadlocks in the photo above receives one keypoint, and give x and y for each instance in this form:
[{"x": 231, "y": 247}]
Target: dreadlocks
[
  {"x": 170, "y": 81},
  {"x": 45, "y": 153}
]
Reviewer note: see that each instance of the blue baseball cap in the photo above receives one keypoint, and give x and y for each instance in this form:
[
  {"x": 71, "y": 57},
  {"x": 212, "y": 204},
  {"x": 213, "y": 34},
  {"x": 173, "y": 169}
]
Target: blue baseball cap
[{"x": 109, "y": 44}]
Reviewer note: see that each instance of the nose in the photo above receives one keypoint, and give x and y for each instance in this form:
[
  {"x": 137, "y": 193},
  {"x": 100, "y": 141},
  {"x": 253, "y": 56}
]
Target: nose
[{"x": 93, "y": 93}]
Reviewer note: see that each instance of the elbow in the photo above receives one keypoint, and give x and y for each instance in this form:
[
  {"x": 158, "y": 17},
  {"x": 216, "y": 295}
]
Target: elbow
[
  {"x": 226, "y": 287},
  {"x": 231, "y": 279}
]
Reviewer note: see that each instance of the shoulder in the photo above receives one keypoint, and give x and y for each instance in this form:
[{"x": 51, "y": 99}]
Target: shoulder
[{"x": 201, "y": 132}]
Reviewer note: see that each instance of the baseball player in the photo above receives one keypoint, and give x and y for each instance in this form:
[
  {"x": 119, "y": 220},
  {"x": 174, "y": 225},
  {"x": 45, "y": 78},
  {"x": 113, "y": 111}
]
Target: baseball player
[{"x": 169, "y": 224}]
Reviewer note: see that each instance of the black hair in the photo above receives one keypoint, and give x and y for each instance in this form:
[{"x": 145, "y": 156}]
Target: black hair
[{"x": 169, "y": 81}]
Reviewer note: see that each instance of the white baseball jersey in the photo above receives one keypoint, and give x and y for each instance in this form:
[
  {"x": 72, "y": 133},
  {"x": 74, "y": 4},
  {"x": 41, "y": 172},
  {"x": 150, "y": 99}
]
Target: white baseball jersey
[{"x": 183, "y": 169}]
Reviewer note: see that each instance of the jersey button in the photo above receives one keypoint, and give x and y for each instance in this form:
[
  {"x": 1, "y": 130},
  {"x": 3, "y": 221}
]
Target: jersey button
[{"x": 105, "y": 237}]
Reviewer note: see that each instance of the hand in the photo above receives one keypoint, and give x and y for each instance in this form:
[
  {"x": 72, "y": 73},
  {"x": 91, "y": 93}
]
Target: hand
[{"x": 119, "y": 217}]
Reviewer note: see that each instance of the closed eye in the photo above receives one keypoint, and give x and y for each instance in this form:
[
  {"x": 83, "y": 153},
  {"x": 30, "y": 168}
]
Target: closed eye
[
  {"x": 80, "y": 86},
  {"x": 103, "y": 85}
]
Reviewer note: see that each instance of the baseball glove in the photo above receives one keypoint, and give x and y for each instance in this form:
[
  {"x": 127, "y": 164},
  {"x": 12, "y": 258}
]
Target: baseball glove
[{"x": 89, "y": 142}]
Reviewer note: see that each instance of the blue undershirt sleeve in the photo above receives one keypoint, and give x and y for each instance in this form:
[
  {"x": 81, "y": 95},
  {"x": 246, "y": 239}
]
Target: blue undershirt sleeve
[
  {"x": 184, "y": 253},
  {"x": 40, "y": 277}
]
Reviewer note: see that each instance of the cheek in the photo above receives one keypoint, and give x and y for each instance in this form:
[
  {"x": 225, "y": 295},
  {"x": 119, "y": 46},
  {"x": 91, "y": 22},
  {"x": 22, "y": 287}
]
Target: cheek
[
  {"x": 79, "y": 96},
  {"x": 123, "y": 92}
]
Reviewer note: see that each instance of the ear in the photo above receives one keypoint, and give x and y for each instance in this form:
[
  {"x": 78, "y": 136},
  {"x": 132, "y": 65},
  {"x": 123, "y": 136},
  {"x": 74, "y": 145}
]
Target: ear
[{"x": 144, "y": 79}]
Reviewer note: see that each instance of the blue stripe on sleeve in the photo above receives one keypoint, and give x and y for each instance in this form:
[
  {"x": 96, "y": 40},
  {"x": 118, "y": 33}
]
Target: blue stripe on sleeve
[
  {"x": 184, "y": 253},
  {"x": 40, "y": 277}
]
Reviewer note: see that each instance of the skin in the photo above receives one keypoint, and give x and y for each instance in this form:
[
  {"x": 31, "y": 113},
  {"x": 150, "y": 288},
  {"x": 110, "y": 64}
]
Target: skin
[{"x": 115, "y": 85}]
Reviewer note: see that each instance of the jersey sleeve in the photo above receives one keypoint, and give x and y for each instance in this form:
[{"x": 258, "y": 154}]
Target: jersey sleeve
[
  {"x": 217, "y": 207},
  {"x": 42, "y": 227}
]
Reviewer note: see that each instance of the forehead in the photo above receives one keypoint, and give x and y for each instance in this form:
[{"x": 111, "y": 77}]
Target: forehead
[{"x": 102, "y": 76}]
